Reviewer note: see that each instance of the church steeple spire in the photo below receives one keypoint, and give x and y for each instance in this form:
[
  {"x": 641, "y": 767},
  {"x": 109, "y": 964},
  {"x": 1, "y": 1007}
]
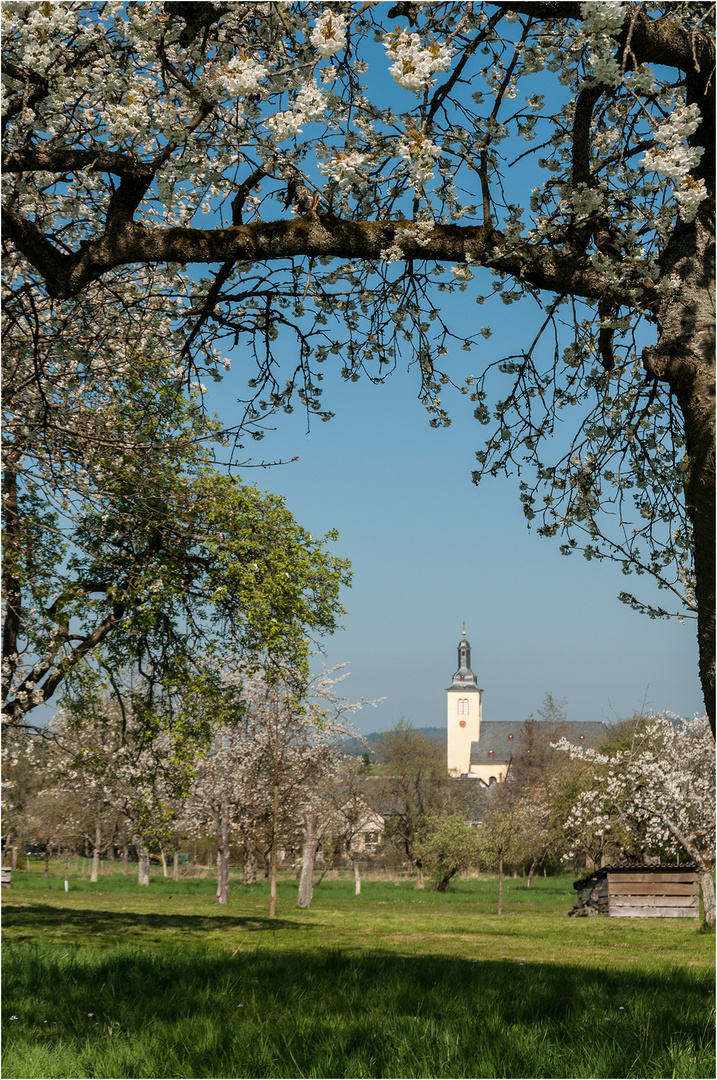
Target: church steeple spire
[
  {"x": 465, "y": 709},
  {"x": 465, "y": 676}
]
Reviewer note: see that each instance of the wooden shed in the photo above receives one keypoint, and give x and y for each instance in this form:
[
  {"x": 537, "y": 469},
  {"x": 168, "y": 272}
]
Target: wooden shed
[{"x": 640, "y": 892}]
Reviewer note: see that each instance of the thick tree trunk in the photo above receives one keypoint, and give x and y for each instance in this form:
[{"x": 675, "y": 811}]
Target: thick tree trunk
[
  {"x": 708, "y": 896},
  {"x": 308, "y": 860},
  {"x": 222, "y": 833},
  {"x": 249, "y": 863},
  {"x": 444, "y": 883},
  {"x": 684, "y": 358},
  {"x": 143, "y": 862},
  {"x": 13, "y": 862},
  {"x": 143, "y": 868},
  {"x": 175, "y": 866},
  {"x": 163, "y": 857}
]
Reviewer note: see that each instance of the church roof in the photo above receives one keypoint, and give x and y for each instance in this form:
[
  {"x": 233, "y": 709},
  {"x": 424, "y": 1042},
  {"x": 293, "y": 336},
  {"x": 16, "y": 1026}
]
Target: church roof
[{"x": 496, "y": 735}]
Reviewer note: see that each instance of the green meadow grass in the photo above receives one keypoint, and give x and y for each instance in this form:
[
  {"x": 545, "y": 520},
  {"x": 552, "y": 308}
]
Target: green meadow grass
[{"x": 108, "y": 980}]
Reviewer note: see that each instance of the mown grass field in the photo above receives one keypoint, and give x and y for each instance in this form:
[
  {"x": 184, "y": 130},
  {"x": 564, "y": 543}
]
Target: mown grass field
[{"x": 108, "y": 980}]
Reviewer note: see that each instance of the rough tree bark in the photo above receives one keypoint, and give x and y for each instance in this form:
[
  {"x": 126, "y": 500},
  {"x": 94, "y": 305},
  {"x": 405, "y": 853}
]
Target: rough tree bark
[
  {"x": 249, "y": 864},
  {"x": 708, "y": 896},
  {"x": 684, "y": 358},
  {"x": 308, "y": 860},
  {"x": 143, "y": 861}
]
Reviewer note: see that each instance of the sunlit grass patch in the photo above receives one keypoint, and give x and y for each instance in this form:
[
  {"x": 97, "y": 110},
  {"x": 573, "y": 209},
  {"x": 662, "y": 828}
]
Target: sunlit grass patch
[{"x": 396, "y": 982}]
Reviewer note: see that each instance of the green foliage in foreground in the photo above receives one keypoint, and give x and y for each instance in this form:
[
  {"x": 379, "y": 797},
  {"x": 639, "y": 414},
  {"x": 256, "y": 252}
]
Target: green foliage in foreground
[{"x": 391, "y": 983}]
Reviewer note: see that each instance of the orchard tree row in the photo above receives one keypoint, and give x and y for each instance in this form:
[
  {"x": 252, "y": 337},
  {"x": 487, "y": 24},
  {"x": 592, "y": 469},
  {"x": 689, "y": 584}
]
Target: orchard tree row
[{"x": 275, "y": 779}]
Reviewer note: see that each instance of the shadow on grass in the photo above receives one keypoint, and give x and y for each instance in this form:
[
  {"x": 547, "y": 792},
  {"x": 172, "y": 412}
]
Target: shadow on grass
[
  {"x": 26, "y": 920},
  {"x": 210, "y": 1013}
]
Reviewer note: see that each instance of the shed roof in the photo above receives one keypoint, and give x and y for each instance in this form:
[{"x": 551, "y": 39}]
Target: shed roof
[{"x": 603, "y": 871}]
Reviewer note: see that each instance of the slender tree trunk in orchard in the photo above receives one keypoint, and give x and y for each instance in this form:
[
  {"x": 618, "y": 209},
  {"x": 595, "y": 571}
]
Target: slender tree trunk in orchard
[
  {"x": 500, "y": 883},
  {"x": 13, "y": 862},
  {"x": 357, "y": 879},
  {"x": 531, "y": 872},
  {"x": 125, "y": 859},
  {"x": 96, "y": 854},
  {"x": 47, "y": 862},
  {"x": 272, "y": 882},
  {"x": 420, "y": 883},
  {"x": 308, "y": 860},
  {"x": 222, "y": 834},
  {"x": 274, "y": 852},
  {"x": 163, "y": 857},
  {"x": 175, "y": 866}
]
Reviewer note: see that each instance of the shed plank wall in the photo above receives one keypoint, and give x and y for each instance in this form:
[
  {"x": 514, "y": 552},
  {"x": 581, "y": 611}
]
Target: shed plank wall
[
  {"x": 652, "y": 888},
  {"x": 627, "y": 911},
  {"x": 685, "y": 876},
  {"x": 655, "y": 901}
]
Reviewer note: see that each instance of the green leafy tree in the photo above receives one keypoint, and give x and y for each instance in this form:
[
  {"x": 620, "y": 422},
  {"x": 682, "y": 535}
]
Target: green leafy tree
[
  {"x": 135, "y": 550},
  {"x": 449, "y": 845}
]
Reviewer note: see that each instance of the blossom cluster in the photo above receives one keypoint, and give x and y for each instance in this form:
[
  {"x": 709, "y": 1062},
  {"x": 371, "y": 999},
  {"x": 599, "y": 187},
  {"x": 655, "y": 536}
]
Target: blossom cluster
[
  {"x": 345, "y": 168},
  {"x": 676, "y": 160},
  {"x": 420, "y": 154},
  {"x": 239, "y": 77},
  {"x": 414, "y": 65},
  {"x": 329, "y": 35},
  {"x": 309, "y": 104},
  {"x": 603, "y": 16}
]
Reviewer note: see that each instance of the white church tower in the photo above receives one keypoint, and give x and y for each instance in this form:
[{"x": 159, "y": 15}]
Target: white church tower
[{"x": 464, "y": 712}]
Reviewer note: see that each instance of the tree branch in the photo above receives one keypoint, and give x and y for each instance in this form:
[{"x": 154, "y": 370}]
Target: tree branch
[{"x": 314, "y": 236}]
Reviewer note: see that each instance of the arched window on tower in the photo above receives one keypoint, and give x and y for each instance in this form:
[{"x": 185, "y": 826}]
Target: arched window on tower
[{"x": 463, "y": 706}]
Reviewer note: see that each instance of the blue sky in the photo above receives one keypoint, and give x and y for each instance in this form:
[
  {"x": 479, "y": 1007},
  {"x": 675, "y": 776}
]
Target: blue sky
[{"x": 429, "y": 550}]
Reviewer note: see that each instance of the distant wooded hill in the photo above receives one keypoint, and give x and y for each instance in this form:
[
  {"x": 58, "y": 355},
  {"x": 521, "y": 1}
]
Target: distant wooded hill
[{"x": 353, "y": 746}]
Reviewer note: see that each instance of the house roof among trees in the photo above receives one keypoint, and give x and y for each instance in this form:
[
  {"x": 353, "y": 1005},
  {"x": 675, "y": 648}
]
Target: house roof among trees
[{"x": 499, "y": 738}]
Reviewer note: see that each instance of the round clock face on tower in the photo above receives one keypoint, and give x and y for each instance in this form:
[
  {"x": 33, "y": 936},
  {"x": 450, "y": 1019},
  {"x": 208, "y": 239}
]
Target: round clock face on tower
[{"x": 461, "y": 723}]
